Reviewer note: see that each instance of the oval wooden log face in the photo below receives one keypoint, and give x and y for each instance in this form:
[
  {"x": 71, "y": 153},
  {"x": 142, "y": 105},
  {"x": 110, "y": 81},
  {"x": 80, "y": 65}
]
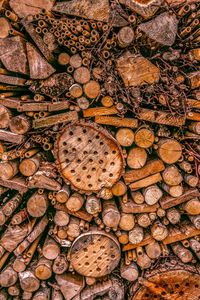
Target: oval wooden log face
[
  {"x": 95, "y": 254},
  {"x": 88, "y": 157}
]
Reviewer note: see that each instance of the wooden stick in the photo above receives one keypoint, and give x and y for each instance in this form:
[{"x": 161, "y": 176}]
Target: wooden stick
[{"x": 117, "y": 122}]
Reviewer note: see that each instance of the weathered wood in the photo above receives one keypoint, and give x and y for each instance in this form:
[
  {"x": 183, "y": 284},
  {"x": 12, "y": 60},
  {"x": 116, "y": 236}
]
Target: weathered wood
[
  {"x": 99, "y": 111},
  {"x": 152, "y": 167},
  {"x": 131, "y": 207},
  {"x": 136, "y": 158},
  {"x": 167, "y": 202},
  {"x": 117, "y": 122},
  {"x": 145, "y": 182},
  {"x": 136, "y": 70},
  {"x": 56, "y": 119}
]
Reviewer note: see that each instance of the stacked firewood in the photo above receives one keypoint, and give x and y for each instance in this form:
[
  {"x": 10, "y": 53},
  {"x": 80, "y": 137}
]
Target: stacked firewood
[{"x": 99, "y": 149}]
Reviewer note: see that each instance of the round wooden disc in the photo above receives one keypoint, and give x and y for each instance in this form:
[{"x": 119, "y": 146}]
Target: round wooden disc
[
  {"x": 95, "y": 254},
  {"x": 170, "y": 151},
  {"x": 177, "y": 284},
  {"x": 88, "y": 157}
]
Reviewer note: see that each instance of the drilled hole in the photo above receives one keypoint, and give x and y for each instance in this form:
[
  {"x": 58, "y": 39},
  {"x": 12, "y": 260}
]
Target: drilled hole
[
  {"x": 84, "y": 130},
  {"x": 84, "y": 168},
  {"x": 93, "y": 169},
  {"x": 97, "y": 137},
  {"x": 72, "y": 171},
  {"x": 89, "y": 141},
  {"x": 90, "y": 160},
  {"x": 78, "y": 180},
  {"x": 90, "y": 185},
  {"x": 177, "y": 285},
  {"x": 67, "y": 160},
  {"x": 99, "y": 258},
  {"x": 87, "y": 263},
  {"x": 74, "y": 149},
  {"x": 112, "y": 163},
  {"x": 102, "y": 247},
  {"x": 187, "y": 284},
  {"x": 163, "y": 293},
  {"x": 112, "y": 256},
  {"x": 88, "y": 176},
  {"x": 114, "y": 152},
  {"x": 98, "y": 269},
  {"x": 196, "y": 285},
  {"x": 85, "y": 152},
  {"x": 79, "y": 139},
  {"x": 95, "y": 152},
  {"x": 78, "y": 161},
  {"x": 181, "y": 293},
  {"x": 111, "y": 175},
  {"x": 71, "y": 133},
  {"x": 105, "y": 153},
  {"x": 104, "y": 170},
  {"x": 100, "y": 161},
  {"x": 64, "y": 144},
  {"x": 101, "y": 143},
  {"x": 65, "y": 152}
]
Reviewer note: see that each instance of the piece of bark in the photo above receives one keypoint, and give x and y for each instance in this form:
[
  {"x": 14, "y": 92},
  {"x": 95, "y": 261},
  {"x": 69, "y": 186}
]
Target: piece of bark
[
  {"x": 37, "y": 205},
  {"x": 99, "y": 111},
  {"x": 50, "y": 249},
  {"x": 110, "y": 214},
  {"x": 75, "y": 202},
  {"x": 167, "y": 202},
  {"x": 136, "y": 158},
  {"x": 169, "y": 150},
  {"x": 136, "y": 70},
  {"x": 129, "y": 272},
  {"x": 43, "y": 269},
  {"x": 185, "y": 231},
  {"x": 56, "y": 119},
  {"x": 159, "y": 231},
  {"x": 13, "y": 54},
  {"x": 25, "y": 8},
  {"x": 162, "y": 29},
  {"x": 28, "y": 281},
  {"x": 127, "y": 221},
  {"x": 11, "y": 137},
  {"x": 38, "y": 66},
  {"x": 38, "y": 40},
  {"x": 152, "y": 194},
  {"x": 117, "y": 122},
  {"x": 152, "y": 167},
  {"x": 144, "y": 8},
  {"x": 16, "y": 183},
  {"x": 150, "y": 180},
  {"x": 136, "y": 235},
  {"x": 161, "y": 117},
  {"x": 85, "y": 9},
  {"x": 70, "y": 285},
  {"x": 172, "y": 176},
  {"x": 131, "y": 207}
]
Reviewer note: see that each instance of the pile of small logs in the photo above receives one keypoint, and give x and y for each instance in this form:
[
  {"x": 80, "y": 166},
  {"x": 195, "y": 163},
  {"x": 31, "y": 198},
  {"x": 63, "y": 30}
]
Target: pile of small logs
[{"x": 99, "y": 149}]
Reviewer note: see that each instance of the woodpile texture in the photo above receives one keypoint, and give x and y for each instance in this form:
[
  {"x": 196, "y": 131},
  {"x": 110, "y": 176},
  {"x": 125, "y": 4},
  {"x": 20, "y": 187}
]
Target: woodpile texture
[{"x": 99, "y": 150}]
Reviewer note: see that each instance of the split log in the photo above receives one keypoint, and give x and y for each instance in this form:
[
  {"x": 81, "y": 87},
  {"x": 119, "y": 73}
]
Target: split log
[
  {"x": 150, "y": 180},
  {"x": 144, "y": 137},
  {"x": 167, "y": 202},
  {"x": 70, "y": 285},
  {"x": 192, "y": 207},
  {"x": 169, "y": 150},
  {"x": 152, "y": 167},
  {"x": 136, "y": 158},
  {"x": 5, "y": 117},
  {"x": 186, "y": 231}
]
